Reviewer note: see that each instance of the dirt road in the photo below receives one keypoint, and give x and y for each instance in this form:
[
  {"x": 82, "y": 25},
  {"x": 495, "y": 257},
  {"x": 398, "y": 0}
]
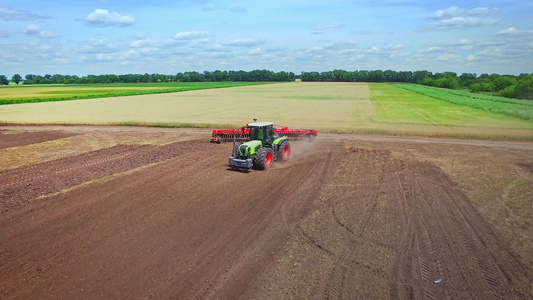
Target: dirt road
[{"x": 98, "y": 212}]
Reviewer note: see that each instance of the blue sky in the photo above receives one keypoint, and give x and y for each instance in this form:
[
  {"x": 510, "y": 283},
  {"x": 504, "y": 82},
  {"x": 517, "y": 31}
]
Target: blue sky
[{"x": 162, "y": 36}]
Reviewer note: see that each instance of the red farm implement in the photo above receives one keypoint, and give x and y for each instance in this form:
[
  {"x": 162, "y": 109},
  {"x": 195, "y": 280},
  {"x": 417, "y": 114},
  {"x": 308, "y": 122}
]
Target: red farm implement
[{"x": 243, "y": 134}]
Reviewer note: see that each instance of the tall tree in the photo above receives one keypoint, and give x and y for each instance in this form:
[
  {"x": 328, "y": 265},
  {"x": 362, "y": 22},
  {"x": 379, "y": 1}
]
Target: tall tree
[
  {"x": 418, "y": 76},
  {"x": 524, "y": 88},
  {"x": 504, "y": 81},
  {"x": 30, "y": 79},
  {"x": 3, "y": 80},
  {"x": 467, "y": 79},
  {"x": 16, "y": 78}
]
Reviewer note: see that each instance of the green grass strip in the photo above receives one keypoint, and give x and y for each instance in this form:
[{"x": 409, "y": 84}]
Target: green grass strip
[{"x": 522, "y": 109}]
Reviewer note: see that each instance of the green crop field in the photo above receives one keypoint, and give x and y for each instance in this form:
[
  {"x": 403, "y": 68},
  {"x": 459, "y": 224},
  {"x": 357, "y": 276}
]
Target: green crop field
[
  {"x": 431, "y": 116},
  {"x": 325, "y": 106},
  {"x": 394, "y": 105},
  {"x": 49, "y": 93}
]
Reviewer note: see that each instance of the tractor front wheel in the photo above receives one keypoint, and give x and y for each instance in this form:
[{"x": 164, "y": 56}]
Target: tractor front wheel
[{"x": 263, "y": 158}]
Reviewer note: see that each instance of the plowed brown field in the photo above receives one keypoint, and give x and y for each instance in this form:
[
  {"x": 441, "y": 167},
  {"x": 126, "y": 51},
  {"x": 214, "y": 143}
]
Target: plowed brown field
[{"x": 112, "y": 212}]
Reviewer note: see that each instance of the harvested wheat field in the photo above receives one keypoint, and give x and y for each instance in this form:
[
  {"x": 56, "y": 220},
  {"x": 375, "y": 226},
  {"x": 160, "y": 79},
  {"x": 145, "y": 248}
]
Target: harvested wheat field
[
  {"x": 335, "y": 107},
  {"x": 114, "y": 212}
]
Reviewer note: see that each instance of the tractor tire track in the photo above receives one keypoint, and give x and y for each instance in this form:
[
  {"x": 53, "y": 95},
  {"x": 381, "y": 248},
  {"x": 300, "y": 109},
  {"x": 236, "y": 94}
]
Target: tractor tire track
[
  {"x": 436, "y": 243},
  {"x": 345, "y": 255},
  {"x": 452, "y": 247}
]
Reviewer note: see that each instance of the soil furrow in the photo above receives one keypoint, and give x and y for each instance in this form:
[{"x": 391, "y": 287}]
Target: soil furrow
[{"x": 348, "y": 217}]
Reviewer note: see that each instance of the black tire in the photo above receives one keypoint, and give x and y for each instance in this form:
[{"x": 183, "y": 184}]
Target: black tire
[
  {"x": 284, "y": 151},
  {"x": 263, "y": 158}
]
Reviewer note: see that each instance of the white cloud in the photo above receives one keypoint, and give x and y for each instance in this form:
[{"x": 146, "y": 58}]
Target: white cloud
[
  {"x": 455, "y": 11},
  {"x": 132, "y": 55},
  {"x": 142, "y": 43},
  {"x": 482, "y": 11},
  {"x": 445, "y": 13},
  {"x": 9, "y": 14},
  {"x": 255, "y": 51},
  {"x": 457, "y": 22},
  {"x": 245, "y": 43},
  {"x": 515, "y": 31},
  {"x": 323, "y": 27},
  {"x": 104, "y": 18},
  {"x": 393, "y": 47},
  {"x": 510, "y": 30},
  {"x": 105, "y": 57},
  {"x": 93, "y": 45},
  {"x": 191, "y": 35},
  {"x": 455, "y": 17},
  {"x": 431, "y": 49},
  {"x": 448, "y": 57},
  {"x": 35, "y": 31},
  {"x": 517, "y": 44},
  {"x": 218, "y": 48},
  {"x": 285, "y": 44},
  {"x": 340, "y": 45}
]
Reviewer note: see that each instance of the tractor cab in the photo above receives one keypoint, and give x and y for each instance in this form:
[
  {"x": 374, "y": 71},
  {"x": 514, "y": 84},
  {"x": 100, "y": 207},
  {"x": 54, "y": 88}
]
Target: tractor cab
[{"x": 262, "y": 131}]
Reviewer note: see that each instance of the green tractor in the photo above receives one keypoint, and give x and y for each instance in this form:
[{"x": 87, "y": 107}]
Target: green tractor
[{"x": 262, "y": 149}]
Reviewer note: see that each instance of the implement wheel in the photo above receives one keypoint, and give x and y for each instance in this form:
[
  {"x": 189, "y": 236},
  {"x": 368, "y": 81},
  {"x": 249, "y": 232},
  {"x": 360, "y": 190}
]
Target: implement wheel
[
  {"x": 263, "y": 158},
  {"x": 284, "y": 151}
]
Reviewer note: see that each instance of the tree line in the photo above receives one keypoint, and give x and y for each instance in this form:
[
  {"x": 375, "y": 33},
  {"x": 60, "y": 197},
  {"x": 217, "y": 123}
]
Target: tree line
[
  {"x": 520, "y": 86},
  {"x": 255, "y": 75},
  {"x": 510, "y": 86}
]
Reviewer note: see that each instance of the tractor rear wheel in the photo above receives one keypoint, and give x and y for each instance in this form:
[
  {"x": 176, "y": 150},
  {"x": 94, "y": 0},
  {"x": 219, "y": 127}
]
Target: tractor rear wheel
[
  {"x": 284, "y": 151},
  {"x": 263, "y": 158}
]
